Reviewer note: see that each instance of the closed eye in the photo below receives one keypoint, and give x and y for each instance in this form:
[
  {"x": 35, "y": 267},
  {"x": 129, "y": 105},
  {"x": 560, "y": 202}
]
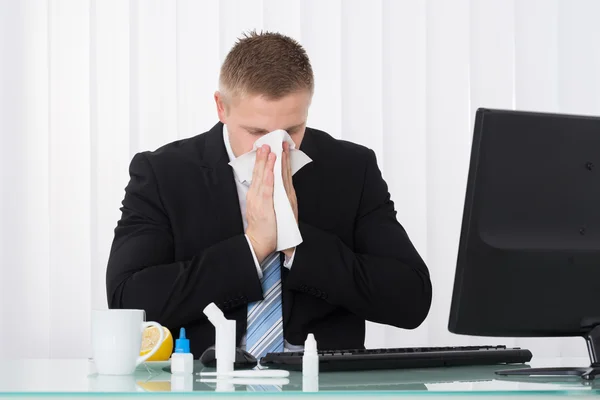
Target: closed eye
[{"x": 256, "y": 132}]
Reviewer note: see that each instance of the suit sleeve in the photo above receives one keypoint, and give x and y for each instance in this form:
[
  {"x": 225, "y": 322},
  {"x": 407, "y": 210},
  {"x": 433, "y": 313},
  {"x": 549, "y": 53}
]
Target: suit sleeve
[
  {"x": 143, "y": 274},
  {"x": 382, "y": 279}
]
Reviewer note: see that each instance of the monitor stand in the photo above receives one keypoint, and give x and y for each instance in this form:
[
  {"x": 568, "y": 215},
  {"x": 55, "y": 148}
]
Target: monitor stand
[{"x": 592, "y": 339}]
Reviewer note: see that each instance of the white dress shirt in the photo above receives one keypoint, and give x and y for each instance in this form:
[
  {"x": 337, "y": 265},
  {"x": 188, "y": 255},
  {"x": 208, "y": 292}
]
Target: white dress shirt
[{"x": 242, "y": 190}]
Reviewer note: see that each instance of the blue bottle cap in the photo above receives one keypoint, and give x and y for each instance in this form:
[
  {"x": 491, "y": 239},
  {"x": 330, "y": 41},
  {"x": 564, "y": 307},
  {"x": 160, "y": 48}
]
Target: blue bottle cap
[{"x": 182, "y": 345}]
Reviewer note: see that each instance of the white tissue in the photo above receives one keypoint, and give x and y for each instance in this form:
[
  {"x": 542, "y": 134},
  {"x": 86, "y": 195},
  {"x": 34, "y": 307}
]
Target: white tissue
[{"x": 288, "y": 234}]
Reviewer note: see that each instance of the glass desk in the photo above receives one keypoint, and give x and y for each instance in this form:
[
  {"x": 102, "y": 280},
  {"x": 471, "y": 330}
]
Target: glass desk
[{"x": 61, "y": 378}]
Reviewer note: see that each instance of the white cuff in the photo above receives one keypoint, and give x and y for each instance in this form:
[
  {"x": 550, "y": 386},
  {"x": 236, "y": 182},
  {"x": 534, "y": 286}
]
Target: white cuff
[
  {"x": 260, "y": 274},
  {"x": 287, "y": 262}
]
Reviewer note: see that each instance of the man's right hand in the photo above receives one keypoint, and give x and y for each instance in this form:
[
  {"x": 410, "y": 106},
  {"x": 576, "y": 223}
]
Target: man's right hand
[{"x": 260, "y": 212}]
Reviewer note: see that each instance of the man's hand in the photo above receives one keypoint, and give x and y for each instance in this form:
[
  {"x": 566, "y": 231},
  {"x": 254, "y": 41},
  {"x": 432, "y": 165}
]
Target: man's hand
[
  {"x": 260, "y": 212},
  {"x": 286, "y": 172}
]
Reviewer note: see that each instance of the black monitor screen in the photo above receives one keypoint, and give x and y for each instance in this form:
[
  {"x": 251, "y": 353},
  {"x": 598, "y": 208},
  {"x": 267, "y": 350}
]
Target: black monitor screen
[{"x": 529, "y": 252}]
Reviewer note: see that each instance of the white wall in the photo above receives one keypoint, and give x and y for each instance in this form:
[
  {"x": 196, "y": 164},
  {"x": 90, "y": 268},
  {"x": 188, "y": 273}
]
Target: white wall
[{"x": 84, "y": 84}]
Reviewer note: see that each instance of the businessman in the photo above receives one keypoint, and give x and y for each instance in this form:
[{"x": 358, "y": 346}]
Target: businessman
[{"x": 192, "y": 233}]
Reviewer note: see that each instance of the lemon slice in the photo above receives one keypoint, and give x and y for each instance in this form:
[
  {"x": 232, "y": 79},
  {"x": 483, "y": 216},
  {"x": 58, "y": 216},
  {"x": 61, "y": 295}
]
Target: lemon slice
[{"x": 150, "y": 337}]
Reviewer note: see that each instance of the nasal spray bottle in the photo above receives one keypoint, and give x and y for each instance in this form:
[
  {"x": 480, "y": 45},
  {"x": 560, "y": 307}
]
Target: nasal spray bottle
[
  {"x": 224, "y": 339},
  {"x": 224, "y": 346},
  {"x": 310, "y": 365}
]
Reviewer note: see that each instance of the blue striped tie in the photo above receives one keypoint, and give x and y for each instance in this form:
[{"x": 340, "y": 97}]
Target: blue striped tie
[{"x": 265, "y": 323}]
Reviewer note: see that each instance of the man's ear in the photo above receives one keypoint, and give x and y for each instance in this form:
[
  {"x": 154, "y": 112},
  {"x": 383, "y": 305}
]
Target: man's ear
[{"x": 221, "y": 107}]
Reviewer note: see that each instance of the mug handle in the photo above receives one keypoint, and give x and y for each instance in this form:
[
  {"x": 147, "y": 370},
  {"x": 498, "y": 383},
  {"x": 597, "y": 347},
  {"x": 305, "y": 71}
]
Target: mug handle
[{"x": 161, "y": 331}]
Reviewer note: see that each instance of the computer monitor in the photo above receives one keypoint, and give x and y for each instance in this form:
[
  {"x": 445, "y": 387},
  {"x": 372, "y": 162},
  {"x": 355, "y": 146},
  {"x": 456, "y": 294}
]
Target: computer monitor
[{"x": 529, "y": 252}]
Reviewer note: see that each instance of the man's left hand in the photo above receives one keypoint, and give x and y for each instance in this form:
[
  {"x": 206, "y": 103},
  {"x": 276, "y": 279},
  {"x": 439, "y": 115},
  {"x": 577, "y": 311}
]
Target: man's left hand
[{"x": 286, "y": 172}]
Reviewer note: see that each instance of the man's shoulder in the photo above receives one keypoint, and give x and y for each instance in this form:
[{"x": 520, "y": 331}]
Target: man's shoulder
[
  {"x": 182, "y": 151},
  {"x": 329, "y": 146}
]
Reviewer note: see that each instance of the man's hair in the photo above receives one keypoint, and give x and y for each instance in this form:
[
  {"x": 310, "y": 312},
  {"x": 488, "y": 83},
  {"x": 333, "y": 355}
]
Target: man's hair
[{"x": 268, "y": 64}]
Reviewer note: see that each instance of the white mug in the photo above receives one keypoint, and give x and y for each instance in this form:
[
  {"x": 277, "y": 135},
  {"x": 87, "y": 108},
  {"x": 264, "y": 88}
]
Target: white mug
[{"x": 117, "y": 340}]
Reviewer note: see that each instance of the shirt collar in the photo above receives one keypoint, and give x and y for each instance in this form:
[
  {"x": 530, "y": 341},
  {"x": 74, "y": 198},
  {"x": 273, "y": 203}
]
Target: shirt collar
[
  {"x": 230, "y": 154},
  {"x": 228, "y": 144}
]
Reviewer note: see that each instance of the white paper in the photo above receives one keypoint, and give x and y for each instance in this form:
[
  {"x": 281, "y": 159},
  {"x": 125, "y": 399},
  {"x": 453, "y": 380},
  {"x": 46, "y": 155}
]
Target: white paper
[{"x": 288, "y": 234}]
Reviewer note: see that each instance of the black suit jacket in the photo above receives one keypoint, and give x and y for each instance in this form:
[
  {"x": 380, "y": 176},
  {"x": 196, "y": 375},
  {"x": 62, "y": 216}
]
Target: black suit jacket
[{"x": 180, "y": 245}]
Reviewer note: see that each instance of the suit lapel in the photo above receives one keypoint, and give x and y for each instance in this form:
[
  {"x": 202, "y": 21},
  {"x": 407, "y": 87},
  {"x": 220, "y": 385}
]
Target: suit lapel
[
  {"x": 308, "y": 180},
  {"x": 307, "y": 184},
  {"x": 220, "y": 185}
]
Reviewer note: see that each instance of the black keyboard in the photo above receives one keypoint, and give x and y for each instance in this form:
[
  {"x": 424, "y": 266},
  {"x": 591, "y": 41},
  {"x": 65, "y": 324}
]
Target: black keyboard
[{"x": 409, "y": 357}]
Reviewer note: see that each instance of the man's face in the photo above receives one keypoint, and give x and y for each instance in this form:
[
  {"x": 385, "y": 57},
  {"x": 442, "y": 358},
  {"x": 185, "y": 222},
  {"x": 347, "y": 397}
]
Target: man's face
[{"x": 250, "y": 117}]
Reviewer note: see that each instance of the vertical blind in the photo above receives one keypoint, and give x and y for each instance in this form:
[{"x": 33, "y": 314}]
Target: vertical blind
[{"x": 85, "y": 84}]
